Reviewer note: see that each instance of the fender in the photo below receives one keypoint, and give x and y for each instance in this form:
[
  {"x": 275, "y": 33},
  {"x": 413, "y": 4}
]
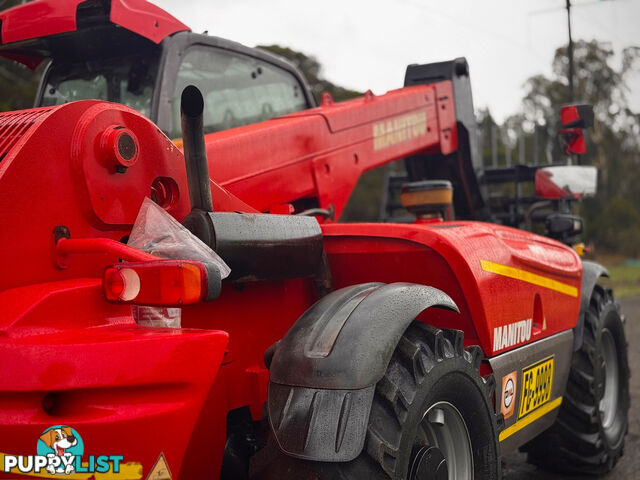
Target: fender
[
  {"x": 591, "y": 272},
  {"x": 324, "y": 371}
]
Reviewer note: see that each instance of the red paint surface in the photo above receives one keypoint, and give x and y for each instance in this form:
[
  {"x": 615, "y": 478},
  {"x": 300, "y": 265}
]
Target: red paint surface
[
  {"x": 42, "y": 18},
  {"x": 546, "y": 187},
  {"x": 160, "y": 390}
]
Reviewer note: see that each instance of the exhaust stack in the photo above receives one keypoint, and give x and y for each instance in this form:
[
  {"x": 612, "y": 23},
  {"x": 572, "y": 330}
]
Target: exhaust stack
[{"x": 195, "y": 154}]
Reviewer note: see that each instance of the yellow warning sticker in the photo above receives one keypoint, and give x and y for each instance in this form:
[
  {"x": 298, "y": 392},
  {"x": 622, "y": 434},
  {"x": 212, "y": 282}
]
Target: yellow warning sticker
[
  {"x": 536, "y": 386},
  {"x": 160, "y": 470},
  {"x": 508, "y": 397}
]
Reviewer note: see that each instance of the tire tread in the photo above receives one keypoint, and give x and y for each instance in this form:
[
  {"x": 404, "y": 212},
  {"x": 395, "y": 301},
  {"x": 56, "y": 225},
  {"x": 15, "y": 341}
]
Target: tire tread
[{"x": 576, "y": 442}]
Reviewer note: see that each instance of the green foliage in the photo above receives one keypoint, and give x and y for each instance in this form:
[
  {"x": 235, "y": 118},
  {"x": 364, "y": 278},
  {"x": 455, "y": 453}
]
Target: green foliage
[
  {"x": 624, "y": 276},
  {"x": 311, "y": 69},
  {"x": 616, "y": 226},
  {"x": 365, "y": 200},
  {"x": 7, "y": 4},
  {"x": 613, "y": 144},
  {"x": 612, "y": 217},
  {"x": 18, "y": 85}
]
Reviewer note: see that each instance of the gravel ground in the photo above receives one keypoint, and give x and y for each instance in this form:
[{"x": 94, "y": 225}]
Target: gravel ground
[{"x": 515, "y": 465}]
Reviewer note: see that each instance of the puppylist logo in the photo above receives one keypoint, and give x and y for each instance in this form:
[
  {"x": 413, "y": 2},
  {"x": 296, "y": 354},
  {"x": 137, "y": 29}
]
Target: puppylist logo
[{"x": 59, "y": 452}]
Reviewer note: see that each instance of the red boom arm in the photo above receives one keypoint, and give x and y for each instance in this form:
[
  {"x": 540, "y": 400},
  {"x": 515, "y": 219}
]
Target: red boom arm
[{"x": 321, "y": 153}]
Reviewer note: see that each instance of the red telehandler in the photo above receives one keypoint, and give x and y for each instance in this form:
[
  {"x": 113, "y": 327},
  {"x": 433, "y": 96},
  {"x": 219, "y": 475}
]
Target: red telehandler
[{"x": 416, "y": 348}]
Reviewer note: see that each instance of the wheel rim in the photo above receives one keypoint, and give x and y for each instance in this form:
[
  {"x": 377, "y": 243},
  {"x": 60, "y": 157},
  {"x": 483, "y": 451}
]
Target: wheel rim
[
  {"x": 442, "y": 446},
  {"x": 609, "y": 400}
]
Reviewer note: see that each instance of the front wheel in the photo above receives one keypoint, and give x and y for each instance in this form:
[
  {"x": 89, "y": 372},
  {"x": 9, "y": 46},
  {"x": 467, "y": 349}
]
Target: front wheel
[{"x": 432, "y": 418}]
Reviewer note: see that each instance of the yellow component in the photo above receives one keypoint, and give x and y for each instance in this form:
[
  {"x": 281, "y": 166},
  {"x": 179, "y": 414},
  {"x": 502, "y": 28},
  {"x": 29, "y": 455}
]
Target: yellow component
[
  {"x": 579, "y": 248},
  {"x": 177, "y": 142},
  {"x": 537, "y": 380},
  {"x": 529, "y": 419},
  {"x": 529, "y": 277},
  {"x": 442, "y": 196},
  {"x": 160, "y": 470},
  {"x": 128, "y": 471}
]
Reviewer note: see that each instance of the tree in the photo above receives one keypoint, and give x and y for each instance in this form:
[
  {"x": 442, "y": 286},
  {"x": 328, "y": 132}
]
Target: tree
[
  {"x": 311, "y": 69},
  {"x": 7, "y": 4},
  {"x": 18, "y": 84},
  {"x": 614, "y": 138},
  {"x": 613, "y": 144}
]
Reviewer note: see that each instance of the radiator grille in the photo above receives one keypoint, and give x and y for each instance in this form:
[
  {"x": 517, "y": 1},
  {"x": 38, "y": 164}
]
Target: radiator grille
[{"x": 13, "y": 125}]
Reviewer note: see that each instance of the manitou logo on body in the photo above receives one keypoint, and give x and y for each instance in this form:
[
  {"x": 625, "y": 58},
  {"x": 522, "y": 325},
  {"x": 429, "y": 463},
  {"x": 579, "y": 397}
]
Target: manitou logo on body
[
  {"x": 60, "y": 449},
  {"x": 398, "y": 130},
  {"x": 512, "y": 334}
]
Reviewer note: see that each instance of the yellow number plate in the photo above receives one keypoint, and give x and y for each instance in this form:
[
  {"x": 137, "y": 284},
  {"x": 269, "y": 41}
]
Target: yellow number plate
[{"x": 536, "y": 386}]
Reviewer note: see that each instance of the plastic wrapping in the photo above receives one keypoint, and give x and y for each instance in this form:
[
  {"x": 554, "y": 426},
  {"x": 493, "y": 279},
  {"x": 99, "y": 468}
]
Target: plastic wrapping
[
  {"x": 165, "y": 317},
  {"x": 158, "y": 233}
]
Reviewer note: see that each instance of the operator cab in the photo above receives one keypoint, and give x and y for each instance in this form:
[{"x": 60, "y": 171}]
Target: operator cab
[
  {"x": 129, "y": 80},
  {"x": 240, "y": 86},
  {"x": 106, "y": 61}
]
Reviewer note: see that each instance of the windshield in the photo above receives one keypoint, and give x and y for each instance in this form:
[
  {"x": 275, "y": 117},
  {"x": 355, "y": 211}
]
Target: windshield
[
  {"x": 237, "y": 89},
  {"x": 128, "y": 80}
]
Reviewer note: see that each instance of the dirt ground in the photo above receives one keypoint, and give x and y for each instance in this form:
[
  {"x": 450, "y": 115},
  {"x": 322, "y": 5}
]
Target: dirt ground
[{"x": 515, "y": 466}]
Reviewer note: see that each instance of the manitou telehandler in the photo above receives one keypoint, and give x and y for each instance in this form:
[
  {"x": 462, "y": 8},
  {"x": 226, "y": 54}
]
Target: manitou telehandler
[{"x": 420, "y": 348}]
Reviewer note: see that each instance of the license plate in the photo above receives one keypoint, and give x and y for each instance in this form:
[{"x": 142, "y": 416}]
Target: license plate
[{"x": 536, "y": 386}]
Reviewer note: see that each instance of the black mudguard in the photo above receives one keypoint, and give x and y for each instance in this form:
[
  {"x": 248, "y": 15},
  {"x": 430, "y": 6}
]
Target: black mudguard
[
  {"x": 591, "y": 272},
  {"x": 324, "y": 371}
]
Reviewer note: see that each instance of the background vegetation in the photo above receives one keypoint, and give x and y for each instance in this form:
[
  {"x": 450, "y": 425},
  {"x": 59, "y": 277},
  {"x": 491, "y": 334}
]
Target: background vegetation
[
  {"x": 312, "y": 70},
  {"x": 612, "y": 216}
]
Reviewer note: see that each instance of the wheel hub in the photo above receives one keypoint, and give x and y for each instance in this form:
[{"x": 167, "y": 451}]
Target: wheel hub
[
  {"x": 429, "y": 464},
  {"x": 610, "y": 379},
  {"x": 442, "y": 448}
]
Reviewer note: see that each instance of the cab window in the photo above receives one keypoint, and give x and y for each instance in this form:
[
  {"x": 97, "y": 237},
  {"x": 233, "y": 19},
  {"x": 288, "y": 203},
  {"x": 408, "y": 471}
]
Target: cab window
[
  {"x": 237, "y": 89},
  {"x": 128, "y": 80}
]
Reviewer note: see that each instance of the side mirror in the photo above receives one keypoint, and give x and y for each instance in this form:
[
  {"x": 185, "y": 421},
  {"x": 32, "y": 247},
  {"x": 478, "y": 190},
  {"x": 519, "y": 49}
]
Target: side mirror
[{"x": 566, "y": 181}]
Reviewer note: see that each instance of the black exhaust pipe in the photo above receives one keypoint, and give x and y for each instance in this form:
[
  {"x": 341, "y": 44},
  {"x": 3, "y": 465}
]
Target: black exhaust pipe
[
  {"x": 195, "y": 154},
  {"x": 256, "y": 246}
]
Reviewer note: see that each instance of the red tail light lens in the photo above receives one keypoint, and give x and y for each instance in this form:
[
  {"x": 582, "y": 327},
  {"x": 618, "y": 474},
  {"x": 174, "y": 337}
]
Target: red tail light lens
[
  {"x": 123, "y": 283},
  {"x": 163, "y": 283}
]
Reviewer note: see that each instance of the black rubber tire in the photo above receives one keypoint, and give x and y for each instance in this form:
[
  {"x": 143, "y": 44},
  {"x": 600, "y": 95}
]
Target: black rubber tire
[
  {"x": 428, "y": 366},
  {"x": 578, "y": 442}
]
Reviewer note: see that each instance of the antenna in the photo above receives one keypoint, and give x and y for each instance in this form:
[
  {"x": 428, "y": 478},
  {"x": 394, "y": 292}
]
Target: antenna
[{"x": 568, "y": 7}]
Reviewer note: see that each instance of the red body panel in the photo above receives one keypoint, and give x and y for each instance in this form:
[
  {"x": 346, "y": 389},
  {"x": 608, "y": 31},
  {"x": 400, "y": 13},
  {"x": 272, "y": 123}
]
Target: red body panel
[
  {"x": 42, "y": 18},
  {"x": 59, "y": 337},
  {"x": 449, "y": 256},
  {"x": 63, "y": 345},
  {"x": 169, "y": 391}
]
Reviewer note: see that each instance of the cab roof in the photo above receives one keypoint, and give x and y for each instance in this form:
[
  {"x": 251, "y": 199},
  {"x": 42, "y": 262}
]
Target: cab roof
[{"x": 43, "y": 18}]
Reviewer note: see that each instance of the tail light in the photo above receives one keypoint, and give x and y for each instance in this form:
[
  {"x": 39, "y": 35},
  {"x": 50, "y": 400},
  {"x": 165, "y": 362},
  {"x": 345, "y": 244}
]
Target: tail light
[
  {"x": 574, "y": 119},
  {"x": 163, "y": 283}
]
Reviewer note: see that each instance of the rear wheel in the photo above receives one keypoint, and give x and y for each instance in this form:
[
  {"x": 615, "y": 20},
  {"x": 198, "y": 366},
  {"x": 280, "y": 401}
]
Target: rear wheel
[
  {"x": 588, "y": 436},
  {"x": 432, "y": 418}
]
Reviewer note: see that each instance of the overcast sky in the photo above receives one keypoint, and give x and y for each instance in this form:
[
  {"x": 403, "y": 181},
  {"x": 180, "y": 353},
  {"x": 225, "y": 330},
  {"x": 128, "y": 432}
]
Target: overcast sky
[{"x": 367, "y": 43}]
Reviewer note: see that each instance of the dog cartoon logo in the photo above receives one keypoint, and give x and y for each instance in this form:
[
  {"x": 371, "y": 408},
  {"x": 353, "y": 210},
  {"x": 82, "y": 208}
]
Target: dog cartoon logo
[
  {"x": 60, "y": 441},
  {"x": 60, "y": 451}
]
